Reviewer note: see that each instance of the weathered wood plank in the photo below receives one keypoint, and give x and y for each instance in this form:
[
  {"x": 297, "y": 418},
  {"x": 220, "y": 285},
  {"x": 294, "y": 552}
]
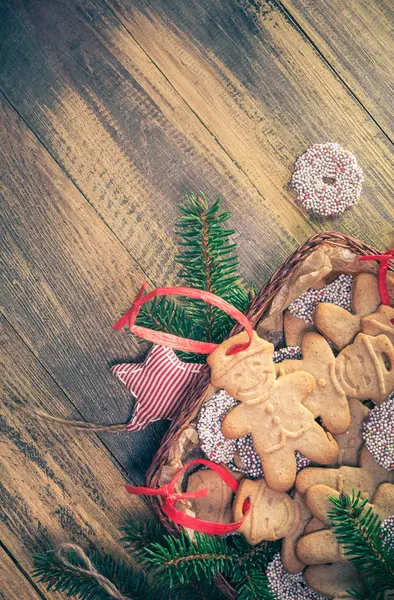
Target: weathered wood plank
[
  {"x": 265, "y": 93},
  {"x": 357, "y": 39},
  {"x": 55, "y": 484},
  {"x": 14, "y": 585},
  {"x": 127, "y": 138},
  {"x": 65, "y": 279}
]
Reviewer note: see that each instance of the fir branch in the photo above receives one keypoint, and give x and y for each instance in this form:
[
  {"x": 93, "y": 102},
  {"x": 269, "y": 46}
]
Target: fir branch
[
  {"x": 58, "y": 577},
  {"x": 179, "y": 559},
  {"x": 359, "y": 530},
  {"x": 209, "y": 263},
  {"x": 138, "y": 535}
]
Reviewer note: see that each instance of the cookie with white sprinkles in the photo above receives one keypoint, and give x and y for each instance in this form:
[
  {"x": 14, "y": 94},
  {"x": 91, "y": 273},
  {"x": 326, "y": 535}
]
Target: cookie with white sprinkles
[
  {"x": 337, "y": 292},
  {"x": 218, "y": 448},
  {"x": 285, "y": 586},
  {"x": 378, "y": 433},
  {"x": 327, "y": 179}
]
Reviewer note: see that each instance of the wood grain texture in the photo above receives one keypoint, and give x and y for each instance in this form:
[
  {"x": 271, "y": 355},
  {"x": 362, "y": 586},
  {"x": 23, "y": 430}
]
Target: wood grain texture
[
  {"x": 55, "y": 485},
  {"x": 126, "y": 137},
  {"x": 112, "y": 111},
  {"x": 264, "y": 92},
  {"x": 357, "y": 39},
  {"x": 65, "y": 280},
  {"x": 14, "y": 585}
]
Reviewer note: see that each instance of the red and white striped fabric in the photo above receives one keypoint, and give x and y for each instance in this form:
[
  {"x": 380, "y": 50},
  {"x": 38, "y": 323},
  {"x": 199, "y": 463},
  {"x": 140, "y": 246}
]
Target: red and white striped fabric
[{"x": 160, "y": 385}]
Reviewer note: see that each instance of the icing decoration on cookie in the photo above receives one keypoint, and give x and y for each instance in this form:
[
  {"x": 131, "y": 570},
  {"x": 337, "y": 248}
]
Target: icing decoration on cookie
[
  {"x": 271, "y": 410},
  {"x": 378, "y": 433},
  {"x": 338, "y": 292},
  {"x": 327, "y": 179},
  {"x": 285, "y": 586}
]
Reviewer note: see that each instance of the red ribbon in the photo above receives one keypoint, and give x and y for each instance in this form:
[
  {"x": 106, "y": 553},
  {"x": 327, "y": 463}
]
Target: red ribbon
[
  {"x": 384, "y": 260},
  {"x": 173, "y": 341},
  {"x": 170, "y": 497}
]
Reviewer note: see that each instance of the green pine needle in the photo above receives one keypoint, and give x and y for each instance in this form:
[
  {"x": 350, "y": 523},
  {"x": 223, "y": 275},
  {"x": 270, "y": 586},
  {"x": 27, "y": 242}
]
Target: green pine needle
[{"x": 359, "y": 530}]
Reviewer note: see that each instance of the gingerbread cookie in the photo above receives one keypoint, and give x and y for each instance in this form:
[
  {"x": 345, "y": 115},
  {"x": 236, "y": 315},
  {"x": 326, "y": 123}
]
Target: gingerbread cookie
[
  {"x": 270, "y": 409},
  {"x": 332, "y": 580},
  {"x": 367, "y": 477},
  {"x": 328, "y": 400},
  {"x": 288, "y": 552},
  {"x": 365, "y": 369},
  {"x": 321, "y": 547},
  {"x": 351, "y": 440},
  {"x": 271, "y": 515},
  {"x": 217, "y": 505},
  {"x": 294, "y": 329},
  {"x": 340, "y": 326},
  {"x": 382, "y": 321}
]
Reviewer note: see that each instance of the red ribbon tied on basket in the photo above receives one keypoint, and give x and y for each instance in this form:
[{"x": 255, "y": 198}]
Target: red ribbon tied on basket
[
  {"x": 383, "y": 260},
  {"x": 167, "y": 492},
  {"x": 173, "y": 341}
]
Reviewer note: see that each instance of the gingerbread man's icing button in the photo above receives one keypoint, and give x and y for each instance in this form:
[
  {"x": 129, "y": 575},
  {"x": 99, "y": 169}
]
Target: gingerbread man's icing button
[
  {"x": 276, "y": 420},
  {"x": 321, "y": 382},
  {"x": 269, "y": 408}
]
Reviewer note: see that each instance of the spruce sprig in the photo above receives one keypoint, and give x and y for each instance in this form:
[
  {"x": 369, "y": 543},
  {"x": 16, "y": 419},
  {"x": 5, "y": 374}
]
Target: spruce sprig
[
  {"x": 359, "y": 530},
  {"x": 179, "y": 567},
  {"x": 208, "y": 261},
  {"x": 60, "y": 578}
]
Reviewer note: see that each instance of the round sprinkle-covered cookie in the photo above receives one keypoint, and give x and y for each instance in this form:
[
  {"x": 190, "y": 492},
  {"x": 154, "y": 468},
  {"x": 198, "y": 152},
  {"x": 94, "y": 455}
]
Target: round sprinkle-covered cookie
[
  {"x": 327, "y": 179},
  {"x": 378, "y": 433},
  {"x": 388, "y": 530},
  {"x": 291, "y": 352},
  {"x": 285, "y": 586},
  {"x": 337, "y": 292},
  {"x": 212, "y": 441}
]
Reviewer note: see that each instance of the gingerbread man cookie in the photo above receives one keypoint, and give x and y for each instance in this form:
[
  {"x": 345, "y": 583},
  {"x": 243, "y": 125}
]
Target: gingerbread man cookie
[
  {"x": 351, "y": 440},
  {"x": 328, "y": 400},
  {"x": 272, "y": 515},
  {"x": 382, "y": 321},
  {"x": 303, "y": 522},
  {"x": 365, "y": 369},
  {"x": 340, "y": 326},
  {"x": 216, "y": 506},
  {"x": 321, "y": 547},
  {"x": 367, "y": 477},
  {"x": 270, "y": 409}
]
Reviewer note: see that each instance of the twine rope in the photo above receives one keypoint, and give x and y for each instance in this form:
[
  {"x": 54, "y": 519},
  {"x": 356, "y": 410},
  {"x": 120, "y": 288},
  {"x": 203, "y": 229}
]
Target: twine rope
[
  {"x": 90, "y": 569},
  {"x": 81, "y": 425}
]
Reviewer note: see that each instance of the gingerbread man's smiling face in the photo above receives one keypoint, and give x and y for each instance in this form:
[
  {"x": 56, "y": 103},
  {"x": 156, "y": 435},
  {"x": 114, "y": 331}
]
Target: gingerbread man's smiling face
[
  {"x": 365, "y": 369},
  {"x": 247, "y": 376}
]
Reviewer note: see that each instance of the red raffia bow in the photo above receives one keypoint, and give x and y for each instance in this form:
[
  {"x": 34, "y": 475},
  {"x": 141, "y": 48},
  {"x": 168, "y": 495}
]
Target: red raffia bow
[
  {"x": 170, "y": 497},
  {"x": 173, "y": 341},
  {"x": 384, "y": 260}
]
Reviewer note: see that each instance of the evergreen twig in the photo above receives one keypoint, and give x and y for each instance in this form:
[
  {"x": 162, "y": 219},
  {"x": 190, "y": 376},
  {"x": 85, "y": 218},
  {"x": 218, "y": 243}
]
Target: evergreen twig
[
  {"x": 209, "y": 262},
  {"x": 359, "y": 530}
]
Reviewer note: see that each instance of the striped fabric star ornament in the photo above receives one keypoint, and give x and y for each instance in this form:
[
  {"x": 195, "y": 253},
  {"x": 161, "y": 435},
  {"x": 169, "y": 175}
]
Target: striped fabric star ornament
[{"x": 160, "y": 385}]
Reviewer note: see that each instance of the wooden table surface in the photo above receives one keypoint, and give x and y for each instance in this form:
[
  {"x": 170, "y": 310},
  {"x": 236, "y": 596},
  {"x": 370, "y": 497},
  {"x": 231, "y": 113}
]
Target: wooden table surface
[{"x": 111, "y": 111}]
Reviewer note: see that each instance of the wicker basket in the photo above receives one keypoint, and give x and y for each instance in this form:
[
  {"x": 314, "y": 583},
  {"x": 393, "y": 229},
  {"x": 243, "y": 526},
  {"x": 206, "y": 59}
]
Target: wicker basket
[{"x": 256, "y": 311}]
